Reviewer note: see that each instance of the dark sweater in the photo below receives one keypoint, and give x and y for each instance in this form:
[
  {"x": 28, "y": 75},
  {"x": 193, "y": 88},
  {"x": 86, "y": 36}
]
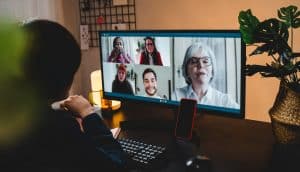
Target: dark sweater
[
  {"x": 59, "y": 145},
  {"x": 122, "y": 87}
]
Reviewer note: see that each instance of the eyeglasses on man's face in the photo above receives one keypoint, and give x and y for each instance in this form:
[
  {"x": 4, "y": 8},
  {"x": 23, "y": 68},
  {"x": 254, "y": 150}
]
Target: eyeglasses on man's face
[{"x": 204, "y": 61}]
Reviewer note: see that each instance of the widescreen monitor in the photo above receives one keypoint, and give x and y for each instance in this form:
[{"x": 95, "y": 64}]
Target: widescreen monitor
[{"x": 163, "y": 66}]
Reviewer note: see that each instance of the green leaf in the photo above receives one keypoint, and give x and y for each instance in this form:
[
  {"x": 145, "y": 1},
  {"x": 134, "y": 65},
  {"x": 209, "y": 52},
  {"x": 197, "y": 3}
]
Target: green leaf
[
  {"x": 290, "y": 16},
  {"x": 287, "y": 69},
  {"x": 261, "y": 49},
  {"x": 274, "y": 70},
  {"x": 275, "y": 65},
  {"x": 253, "y": 69},
  {"x": 271, "y": 36},
  {"x": 274, "y": 34},
  {"x": 248, "y": 24},
  {"x": 285, "y": 58}
]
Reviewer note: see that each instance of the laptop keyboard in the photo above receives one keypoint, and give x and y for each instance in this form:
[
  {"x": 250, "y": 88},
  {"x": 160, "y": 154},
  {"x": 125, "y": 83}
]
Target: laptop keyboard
[{"x": 140, "y": 152}]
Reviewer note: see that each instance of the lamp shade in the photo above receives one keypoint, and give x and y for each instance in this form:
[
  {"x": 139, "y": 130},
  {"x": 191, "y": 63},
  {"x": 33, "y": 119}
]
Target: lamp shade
[
  {"x": 96, "y": 80},
  {"x": 96, "y": 94}
]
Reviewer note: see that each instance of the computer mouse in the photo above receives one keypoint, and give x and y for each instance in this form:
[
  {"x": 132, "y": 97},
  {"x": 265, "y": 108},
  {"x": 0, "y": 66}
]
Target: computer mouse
[{"x": 198, "y": 163}]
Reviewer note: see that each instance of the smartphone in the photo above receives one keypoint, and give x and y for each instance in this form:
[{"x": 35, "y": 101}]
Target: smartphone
[{"x": 185, "y": 118}]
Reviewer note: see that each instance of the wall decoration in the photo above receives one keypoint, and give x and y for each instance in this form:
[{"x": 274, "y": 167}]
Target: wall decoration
[
  {"x": 106, "y": 15},
  {"x": 84, "y": 37}
]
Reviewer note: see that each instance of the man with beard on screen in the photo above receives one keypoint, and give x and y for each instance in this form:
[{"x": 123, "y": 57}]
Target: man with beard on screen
[{"x": 150, "y": 83}]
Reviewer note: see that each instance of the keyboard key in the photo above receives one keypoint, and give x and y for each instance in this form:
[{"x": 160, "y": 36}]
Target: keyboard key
[{"x": 141, "y": 152}]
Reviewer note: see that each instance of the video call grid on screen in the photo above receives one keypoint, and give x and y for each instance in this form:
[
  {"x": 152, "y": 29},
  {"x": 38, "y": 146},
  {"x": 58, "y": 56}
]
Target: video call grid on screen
[{"x": 228, "y": 77}]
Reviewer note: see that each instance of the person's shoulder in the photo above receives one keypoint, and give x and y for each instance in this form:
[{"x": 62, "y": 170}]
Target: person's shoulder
[
  {"x": 224, "y": 97},
  {"x": 183, "y": 89},
  {"x": 143, "y": 53},
  {"x": 216, "y": 93},
  {"x": 158, "y": 54},
  {"x": 60, "y": 119},
  {"x": 180, "y": 92},
  {"x": 128, "y": 84}
]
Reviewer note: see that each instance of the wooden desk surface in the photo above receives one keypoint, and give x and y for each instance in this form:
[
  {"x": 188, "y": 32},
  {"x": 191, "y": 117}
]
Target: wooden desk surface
[{"x": 232, "y": 144}]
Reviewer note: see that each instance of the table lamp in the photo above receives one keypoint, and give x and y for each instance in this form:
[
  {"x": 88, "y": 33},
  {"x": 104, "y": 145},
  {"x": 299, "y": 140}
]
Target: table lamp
[{"x": 96, "y": 95}]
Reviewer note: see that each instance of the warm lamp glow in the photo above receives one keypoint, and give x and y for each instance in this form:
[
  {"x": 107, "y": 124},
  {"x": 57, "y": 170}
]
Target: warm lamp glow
[
  {"x": 96, "y": 80},
  {"x": 96, "y": 96},
  {"x": 115, "y": 105}
]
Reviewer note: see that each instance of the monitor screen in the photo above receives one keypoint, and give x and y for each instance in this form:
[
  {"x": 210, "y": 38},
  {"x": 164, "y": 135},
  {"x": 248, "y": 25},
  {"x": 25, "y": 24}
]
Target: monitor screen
[{"x": 163, "y": 66}]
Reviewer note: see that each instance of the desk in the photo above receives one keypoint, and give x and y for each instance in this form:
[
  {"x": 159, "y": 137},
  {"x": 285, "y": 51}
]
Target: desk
[{"x": 233, "y": 145}]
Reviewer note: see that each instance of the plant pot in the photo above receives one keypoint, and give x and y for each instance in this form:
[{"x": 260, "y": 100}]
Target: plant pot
[{"x": 285, "y": 116}]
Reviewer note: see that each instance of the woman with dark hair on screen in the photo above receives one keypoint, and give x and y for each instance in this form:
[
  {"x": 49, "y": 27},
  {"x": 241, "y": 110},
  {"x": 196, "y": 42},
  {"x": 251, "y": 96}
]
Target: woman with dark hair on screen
[
  {"x": 121, "y": 84},
  {"x": 150, "y": 56},
  {"x": 118, "y": 55},
  {"x": 199, "y": 70}
]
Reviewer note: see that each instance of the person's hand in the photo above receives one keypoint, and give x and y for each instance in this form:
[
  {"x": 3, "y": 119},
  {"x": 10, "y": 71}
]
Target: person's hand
[
  {"x": 78, "y": 105},
  {"x": 114, "y": 54},
  {"x": 116, "y": 51},
  {"x": 121, "y": 50}
]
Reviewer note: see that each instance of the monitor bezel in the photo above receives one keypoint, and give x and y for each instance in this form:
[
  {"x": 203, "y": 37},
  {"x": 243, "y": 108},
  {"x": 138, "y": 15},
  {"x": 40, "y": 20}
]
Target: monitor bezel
[{"x": 174, "y": 104}]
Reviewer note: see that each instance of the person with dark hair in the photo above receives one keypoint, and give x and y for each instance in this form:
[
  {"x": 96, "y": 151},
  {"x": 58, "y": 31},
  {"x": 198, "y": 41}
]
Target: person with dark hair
[
  {"x": 150, "y": 83},
  {"x": 118, "y": 55},
  {"x": 70, "y": 136},
  {"x": 121, "y": 84},
  {"x": 150, "y": 56},
  {"x": 199, "y": 70}
]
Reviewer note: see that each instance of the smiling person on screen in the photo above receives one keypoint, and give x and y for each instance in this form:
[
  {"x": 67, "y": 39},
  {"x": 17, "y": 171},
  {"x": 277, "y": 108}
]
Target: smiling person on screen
[
  {"x": 118, "y": 54},
  {"x": 150, "y": 56},
  {"x": 198, "y": 69},
  {"x": 150, "y": 83}
]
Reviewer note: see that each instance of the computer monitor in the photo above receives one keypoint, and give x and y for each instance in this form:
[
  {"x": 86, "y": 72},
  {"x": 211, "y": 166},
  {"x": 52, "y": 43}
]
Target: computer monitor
[{"x": 163, "y": 66}]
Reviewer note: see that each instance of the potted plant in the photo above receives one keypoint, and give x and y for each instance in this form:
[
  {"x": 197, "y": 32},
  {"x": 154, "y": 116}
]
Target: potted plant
[{"x": 271, "y": 36}]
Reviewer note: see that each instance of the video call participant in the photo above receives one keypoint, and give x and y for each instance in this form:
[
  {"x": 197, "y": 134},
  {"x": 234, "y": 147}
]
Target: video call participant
[
  {"x": 60, "y": 142},
  {"x": 199, "y": 69},
  {"x": 118, "y": 55},
  {"x": 120, "y": 83},
  {"x": 150, "y": 83},
  {"x": 150, "y": 56}
]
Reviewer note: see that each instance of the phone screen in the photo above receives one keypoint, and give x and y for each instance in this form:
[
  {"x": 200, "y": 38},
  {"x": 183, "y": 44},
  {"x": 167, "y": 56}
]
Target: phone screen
[{"x": 185, "y": 118}]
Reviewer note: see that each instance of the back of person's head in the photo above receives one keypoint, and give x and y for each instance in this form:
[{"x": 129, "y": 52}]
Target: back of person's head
[{"x": 52, "y": 58}]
